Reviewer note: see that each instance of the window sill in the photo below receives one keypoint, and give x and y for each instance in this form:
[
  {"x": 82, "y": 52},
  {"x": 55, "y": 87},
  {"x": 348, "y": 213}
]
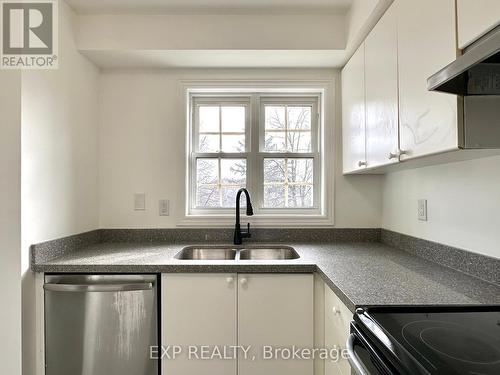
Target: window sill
[{"x": 257, "y": 221}]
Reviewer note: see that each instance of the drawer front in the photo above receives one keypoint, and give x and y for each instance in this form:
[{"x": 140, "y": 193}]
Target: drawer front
[{"x": 337, "y": 320}]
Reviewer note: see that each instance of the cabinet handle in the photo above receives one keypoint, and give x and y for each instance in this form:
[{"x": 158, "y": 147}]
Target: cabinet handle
[
  {"x": 335, "y": 310},
  {"x": 243, "y": 281},
  {"x": 362, "y": 163},
  {"x": 230, "y": 280},
  {"x": 397, "y": 154}
]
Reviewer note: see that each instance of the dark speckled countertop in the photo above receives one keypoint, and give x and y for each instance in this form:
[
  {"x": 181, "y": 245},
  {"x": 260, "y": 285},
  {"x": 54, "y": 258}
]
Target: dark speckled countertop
[{"x": 361, "y": 274}]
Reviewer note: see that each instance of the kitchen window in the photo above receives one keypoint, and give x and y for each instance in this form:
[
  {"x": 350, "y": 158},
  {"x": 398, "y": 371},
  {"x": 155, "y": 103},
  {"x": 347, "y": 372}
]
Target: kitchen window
[{"x": 270, "y": 143}]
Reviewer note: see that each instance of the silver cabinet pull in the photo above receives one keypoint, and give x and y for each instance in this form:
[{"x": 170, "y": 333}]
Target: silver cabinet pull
[
  {"x": 97, "y": 287},
  {"x": 362, "y": 163},
  {"x": 356, "y": 364},
  {"x": 395, "y": 155}
]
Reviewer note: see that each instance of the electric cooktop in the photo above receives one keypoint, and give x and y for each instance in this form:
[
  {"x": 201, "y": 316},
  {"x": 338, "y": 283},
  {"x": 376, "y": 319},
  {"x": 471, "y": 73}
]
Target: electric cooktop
[{"x": 435, "y": 340}]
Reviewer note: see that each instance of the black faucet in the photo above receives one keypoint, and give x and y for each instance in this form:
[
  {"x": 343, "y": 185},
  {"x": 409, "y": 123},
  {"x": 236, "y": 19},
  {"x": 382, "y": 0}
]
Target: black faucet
[{"x": 238, "y": 235}]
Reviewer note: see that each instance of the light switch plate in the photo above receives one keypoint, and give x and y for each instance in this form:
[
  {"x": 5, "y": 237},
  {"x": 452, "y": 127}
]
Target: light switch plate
[
  {"x": 164, "y": 207},
  {"x": 139, "y": 201},
  {"x": 422, "y": 209}
]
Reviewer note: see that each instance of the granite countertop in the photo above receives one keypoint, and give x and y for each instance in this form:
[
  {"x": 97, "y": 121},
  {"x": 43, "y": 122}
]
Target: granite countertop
[{"x": 361, "y": 274}]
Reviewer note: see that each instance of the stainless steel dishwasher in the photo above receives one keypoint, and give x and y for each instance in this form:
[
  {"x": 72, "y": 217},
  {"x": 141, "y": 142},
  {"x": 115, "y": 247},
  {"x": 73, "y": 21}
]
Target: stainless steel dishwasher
[{"x": 100, "y": 324}]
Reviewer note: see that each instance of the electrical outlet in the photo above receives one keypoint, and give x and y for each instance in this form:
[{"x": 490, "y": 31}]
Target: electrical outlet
[
  {"x": 139, "y": 201},
  {"x": 164, "y": 207},
  {"x": 422, "y": 209}
]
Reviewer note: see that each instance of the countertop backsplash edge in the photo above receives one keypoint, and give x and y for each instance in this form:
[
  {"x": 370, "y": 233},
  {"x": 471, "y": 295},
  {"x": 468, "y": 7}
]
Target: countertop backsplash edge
[{"x": 478, "y": 265}]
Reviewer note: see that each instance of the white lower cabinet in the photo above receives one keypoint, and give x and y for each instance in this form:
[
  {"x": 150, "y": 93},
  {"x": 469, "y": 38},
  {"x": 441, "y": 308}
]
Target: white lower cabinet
[
  {"x": 224, "y": 310},
  {"x": 198, "y": 309},
  {"x": 337, "y": 320},
  {"x": 275, "y": 310}
]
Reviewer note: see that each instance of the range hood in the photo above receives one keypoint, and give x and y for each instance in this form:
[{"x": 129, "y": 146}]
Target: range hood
[
  {"x": 476, "y": 72},
  {"x": 475, "y": 78}
]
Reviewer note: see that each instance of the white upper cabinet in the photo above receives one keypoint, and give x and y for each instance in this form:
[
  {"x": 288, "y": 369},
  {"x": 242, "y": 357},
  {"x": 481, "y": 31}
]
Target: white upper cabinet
[
  {"x": 388, "y": 114},
  {"x": 381, "y": 80},
  {"x": 426, "y": 43},
  {"x": 475, "y": 18},
  {"x": 353, "y": 112}
]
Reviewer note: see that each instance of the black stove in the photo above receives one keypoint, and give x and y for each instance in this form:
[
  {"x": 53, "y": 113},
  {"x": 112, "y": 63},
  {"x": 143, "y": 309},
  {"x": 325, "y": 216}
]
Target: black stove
[{"x": 426, "y": 340}]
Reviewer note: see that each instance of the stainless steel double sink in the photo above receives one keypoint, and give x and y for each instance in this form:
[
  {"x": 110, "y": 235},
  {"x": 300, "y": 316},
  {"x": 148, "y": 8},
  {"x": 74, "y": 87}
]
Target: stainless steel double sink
[{"x": 254, "y": 252}]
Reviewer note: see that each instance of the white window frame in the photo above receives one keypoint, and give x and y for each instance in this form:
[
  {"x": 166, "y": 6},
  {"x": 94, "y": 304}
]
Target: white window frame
[
  {"x": 259, "y": 154},
  {"x": 315, "y": 94},
  {"x": 197, "y": 101}
]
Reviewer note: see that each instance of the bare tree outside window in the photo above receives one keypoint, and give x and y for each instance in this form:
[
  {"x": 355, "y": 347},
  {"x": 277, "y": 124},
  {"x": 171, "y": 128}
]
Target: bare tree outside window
[
  {"x": 284, "y": 165},
  {"x": 218, "y": 180},
  {"x": 288, "y": 182},
  {"x": 221, "y": 129}
]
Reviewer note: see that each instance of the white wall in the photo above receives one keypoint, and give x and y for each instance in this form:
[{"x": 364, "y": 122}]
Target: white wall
[
  {"x": 142, "y": 148},
  {"x": 10, "y": 222},
  {"x": 60, "y": 144},
  {"x": 211, "y": 32},
  {"x": 463, "y": 204},
  {"x": 59, "y": 158}
]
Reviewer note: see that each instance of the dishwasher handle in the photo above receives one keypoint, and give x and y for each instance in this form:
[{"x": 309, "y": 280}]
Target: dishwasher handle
[
  {"x": 53, "y": 287},
  {"x": 355, "y": 362}
]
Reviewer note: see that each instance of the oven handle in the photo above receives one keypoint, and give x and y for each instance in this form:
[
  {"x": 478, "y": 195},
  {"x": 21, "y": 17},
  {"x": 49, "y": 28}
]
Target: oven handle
[{"x": 353, "y": 359}]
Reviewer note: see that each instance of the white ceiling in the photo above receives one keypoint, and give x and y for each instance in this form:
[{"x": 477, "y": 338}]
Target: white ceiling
[{"x": 208, "y": 6}]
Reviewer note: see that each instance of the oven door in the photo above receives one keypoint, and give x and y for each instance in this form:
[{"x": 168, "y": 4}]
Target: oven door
[{"x": 363, "y": 358}]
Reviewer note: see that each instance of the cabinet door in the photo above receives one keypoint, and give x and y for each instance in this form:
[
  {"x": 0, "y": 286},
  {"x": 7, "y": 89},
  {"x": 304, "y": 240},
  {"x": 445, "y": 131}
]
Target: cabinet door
[
  {"x": 381, "y": 78},
  {"x": 475, "y": 18},
  {"x": 198, "y": 309},
  {"x": 353, "y": 112},
  {"x": 337, "y": 320},
  {"x": 275, "y": 310},
  {"x": 426, "y": 43}
]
